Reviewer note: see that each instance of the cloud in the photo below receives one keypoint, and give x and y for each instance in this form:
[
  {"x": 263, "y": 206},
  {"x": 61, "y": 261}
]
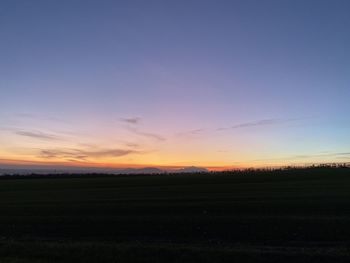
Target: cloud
[
  {"x": 109, "y": 153},
  {"x": 343, "y": 153},
  {"x": 258, "y": 123},
  {"x": 131, "y": 144},
  {"x": 61, "y": 154},
  {"x": 147, "y": 134},
  {"x": 40, "y": 117},
  {"x": 337, "y": 155},
  {"x": 134, "y": 120},
  {"x": 84, "y": 154},
  {"x": 37, "y": 135},
  {"x": 191, "y": 133}
]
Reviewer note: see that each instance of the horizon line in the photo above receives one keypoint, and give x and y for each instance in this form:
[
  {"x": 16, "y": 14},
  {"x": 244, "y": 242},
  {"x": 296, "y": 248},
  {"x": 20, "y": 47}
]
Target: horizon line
[{"x": 25, "y": 164}]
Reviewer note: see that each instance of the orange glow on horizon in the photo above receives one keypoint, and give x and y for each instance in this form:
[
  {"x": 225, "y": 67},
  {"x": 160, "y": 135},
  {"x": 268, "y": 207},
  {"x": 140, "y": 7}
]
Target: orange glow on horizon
[
  {"x": 56, "y": 165},
  {"x": 107, "y": 165}
]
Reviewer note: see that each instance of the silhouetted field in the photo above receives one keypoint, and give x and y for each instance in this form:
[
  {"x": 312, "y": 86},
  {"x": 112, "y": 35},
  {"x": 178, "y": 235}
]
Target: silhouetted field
[{"x": 288, "y": 215}]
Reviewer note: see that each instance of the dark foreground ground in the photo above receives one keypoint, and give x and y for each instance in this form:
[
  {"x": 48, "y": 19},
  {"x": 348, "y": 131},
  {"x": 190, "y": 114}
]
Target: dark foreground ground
[{"x": 281, "y": 216}]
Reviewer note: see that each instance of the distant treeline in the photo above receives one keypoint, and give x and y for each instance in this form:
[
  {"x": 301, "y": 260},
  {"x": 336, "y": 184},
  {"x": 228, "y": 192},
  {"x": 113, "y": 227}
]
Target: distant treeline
[
  {"x": 289, "y": 170},
  {"x": 318, "y": 169}
]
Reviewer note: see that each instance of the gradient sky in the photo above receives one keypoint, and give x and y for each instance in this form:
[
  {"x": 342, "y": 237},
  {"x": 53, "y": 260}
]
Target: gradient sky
[{"x": 174, "y": 83}]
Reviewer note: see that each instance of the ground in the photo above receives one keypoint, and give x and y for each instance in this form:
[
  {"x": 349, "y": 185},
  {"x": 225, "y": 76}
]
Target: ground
[{"x": 295, "y": 215}]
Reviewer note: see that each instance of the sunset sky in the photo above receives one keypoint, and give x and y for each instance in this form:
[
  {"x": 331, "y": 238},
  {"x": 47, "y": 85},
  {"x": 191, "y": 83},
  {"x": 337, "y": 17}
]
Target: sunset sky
[{"x": 217, "y": 84}]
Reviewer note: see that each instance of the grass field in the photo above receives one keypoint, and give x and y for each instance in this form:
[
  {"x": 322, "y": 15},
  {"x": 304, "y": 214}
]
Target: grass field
[{"x": 292, "y": 215}]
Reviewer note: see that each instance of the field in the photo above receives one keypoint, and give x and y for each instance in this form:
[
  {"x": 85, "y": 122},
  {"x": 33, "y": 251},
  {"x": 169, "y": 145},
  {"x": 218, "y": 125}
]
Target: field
[{"x": 295, "y": 215}]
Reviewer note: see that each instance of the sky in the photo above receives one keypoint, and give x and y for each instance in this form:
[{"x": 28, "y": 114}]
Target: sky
[{"x": 217, "y": 84}]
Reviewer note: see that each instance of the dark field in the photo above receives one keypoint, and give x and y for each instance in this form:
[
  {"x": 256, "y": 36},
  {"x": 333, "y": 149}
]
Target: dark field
[{"x": 292, "y": 215}]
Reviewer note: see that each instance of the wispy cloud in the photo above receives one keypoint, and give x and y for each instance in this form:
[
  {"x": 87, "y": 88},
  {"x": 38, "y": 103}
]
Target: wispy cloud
[
  {"x": 344, "y": 153},
  {"x": 134, "y": 127},
  {"x": 84, "y": 154},
  {"x": 324, "y": 155},
  {"x": 258, "y": 123},
  {"x": 190, "y": 133},
  {"x": 54, "y": 153},
  {"x": 133, "y": 120},
  {"x": 131, "y": 144},
  {"x": 40, "y": 117},
  {"x": 194, "y": 132},
  {"x": 109, "y": 153},
  {"x": 150, "y": 135},
  {"x": 37, "y": 135}
]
